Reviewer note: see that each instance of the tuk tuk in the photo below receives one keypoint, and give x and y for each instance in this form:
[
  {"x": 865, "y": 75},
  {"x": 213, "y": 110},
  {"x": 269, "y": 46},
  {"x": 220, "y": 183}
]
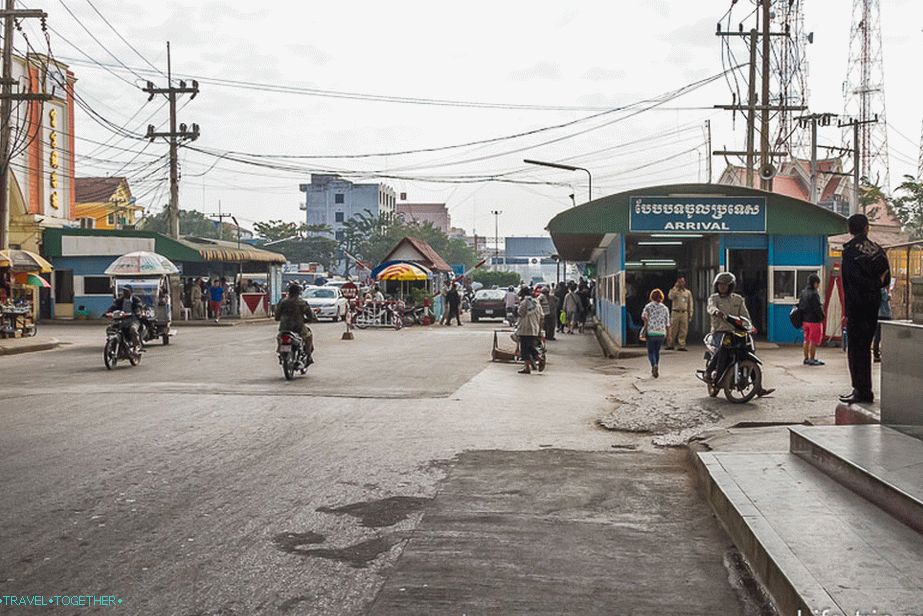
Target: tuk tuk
[{"x": 147, "y": 274}]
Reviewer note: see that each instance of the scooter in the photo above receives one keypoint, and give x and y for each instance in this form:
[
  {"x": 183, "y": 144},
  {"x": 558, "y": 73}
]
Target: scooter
[
  {"x": 292, "y": 354},
  {"x": 741, "y": 376}
]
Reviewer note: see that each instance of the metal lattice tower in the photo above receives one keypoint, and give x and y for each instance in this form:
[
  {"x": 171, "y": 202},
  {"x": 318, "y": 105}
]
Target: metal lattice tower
[
  {"x": 865, "y": 93},
  {"x": 920, "y": 158},
  {"x": 790, "y": 70}
]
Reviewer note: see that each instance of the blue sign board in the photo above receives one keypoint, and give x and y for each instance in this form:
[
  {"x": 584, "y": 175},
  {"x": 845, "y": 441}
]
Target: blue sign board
[{"x": 697, "y": 214}]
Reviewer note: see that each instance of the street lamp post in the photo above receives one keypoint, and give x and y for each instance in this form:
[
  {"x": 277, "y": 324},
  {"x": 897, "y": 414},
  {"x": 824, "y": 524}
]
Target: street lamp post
[
  {"x": 542, "y": 163},
  {"x": 496, "y": 214}
]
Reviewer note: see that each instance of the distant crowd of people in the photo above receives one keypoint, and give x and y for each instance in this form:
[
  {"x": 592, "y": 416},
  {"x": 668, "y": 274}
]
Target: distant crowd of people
[{"x": 215, "y": 298}]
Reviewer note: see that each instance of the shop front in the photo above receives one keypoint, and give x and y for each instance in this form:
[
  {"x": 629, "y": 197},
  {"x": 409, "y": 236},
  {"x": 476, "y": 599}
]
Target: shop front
[{"x": 645, "y": 238}]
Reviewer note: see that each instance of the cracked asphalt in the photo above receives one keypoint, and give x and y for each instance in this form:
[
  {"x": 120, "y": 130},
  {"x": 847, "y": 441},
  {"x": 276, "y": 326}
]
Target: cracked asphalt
[{"x": 202, "y": 483}]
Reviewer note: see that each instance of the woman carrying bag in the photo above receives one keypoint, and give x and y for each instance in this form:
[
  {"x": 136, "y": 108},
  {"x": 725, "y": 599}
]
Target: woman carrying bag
[{"x": 656, "y": 319}]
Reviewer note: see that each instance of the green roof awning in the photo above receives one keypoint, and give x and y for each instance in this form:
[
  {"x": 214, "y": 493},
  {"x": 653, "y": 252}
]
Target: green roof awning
[{"x": 577, "y": 232}]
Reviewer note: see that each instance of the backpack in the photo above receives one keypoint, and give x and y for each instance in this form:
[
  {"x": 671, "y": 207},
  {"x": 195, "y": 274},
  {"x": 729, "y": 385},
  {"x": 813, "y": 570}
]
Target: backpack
[{"x": 796, "y": 316}]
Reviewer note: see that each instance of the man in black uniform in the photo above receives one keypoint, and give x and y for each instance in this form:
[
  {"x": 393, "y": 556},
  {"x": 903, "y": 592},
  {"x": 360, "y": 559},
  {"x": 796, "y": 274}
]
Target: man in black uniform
[
  {"x": 865, "y": 272},
  {"x": 293, "y": 313}
]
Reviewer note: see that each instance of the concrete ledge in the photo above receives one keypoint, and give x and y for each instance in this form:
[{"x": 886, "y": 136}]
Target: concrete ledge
[
  {"x": 856, "y": 414},
  {"x": 870, "y": 461},
  {"x": 790, "y": 585},
  {"x": 609, "y": 347},
  {"x": 16, "y": 346}
]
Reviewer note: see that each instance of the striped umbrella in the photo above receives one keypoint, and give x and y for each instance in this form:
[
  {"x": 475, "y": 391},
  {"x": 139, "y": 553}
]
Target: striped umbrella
[
  {"x": 402, "y": 272},
  {"x": 24, "y": 261},
  {"x": 31, "y": 280}
]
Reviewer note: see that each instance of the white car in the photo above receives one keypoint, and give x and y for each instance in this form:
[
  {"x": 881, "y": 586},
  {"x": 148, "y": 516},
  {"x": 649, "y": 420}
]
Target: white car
[{"x": 326, "y": 302}]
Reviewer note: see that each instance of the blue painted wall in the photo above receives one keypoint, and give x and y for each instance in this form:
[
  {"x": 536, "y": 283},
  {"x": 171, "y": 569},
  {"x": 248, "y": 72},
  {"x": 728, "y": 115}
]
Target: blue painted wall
[
  {"x": 611, "y": 314},
  {"x": 798, "y": 250}
]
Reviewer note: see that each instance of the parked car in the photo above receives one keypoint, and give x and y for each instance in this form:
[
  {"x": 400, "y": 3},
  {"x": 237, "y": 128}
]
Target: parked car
[
  {"x": 327, "y": 302},
  {"x": 488, "y": 304}
]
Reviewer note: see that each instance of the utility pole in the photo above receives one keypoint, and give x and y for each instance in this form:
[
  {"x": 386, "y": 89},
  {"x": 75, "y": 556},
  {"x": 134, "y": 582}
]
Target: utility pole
[
  {"x": 496, "y": 214},
  {"x": 823, "y": 119},
  {"x": 10, "y": 14},
  {"x": 221, "y": 216},
  {"x": 174, "y": 135},
  {"x": 708, "y": 147},
  {"x": 856, "y": 124},
  {"x": 764, "y": 106}
]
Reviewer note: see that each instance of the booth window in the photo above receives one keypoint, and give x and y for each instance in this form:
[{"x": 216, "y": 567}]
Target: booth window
[
  {"x": 340, "y": 235},
  {"x": 787, "y": 282},
  {"x": 97, "y": 285}
]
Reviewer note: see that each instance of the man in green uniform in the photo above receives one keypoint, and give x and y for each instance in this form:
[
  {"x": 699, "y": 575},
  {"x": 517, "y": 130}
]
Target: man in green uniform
[
  {"x": 293, "y": 313},
  {"x": 682, "y": 308}
]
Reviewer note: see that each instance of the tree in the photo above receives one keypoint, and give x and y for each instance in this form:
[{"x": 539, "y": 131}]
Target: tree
[
  {"x": 276, "y": 230},
  {"x": 871, "y": 199},
  {"x": 908, "y": 207},
  {"x": 300, "y": 243},
  {"x": 490, "y": 278},
  {"x": 191, "y": 222}
]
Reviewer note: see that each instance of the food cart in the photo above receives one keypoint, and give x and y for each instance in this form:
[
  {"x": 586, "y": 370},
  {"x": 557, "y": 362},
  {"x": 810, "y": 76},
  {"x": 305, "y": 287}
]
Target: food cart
[
  {"x": 148, "y": 274},
  {"x": 20, "y": 274}
]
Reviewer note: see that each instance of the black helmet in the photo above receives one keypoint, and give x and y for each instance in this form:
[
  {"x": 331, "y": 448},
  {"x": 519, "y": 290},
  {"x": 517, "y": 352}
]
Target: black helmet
[
  {"x": 294, "y": 289},
  {"x": 726, "y": 277}
]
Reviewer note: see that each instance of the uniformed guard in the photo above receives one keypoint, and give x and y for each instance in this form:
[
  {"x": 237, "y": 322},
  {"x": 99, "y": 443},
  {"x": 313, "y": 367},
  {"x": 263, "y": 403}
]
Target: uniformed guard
[{"x": 682, "y": 308}]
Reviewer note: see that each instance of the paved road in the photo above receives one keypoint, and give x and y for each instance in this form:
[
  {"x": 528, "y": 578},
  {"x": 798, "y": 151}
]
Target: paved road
[{"x": 200, "y": 482}]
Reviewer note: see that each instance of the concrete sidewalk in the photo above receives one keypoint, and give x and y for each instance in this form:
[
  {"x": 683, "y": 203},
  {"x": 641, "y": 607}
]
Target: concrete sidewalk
[{"x": 16, "y": 346}]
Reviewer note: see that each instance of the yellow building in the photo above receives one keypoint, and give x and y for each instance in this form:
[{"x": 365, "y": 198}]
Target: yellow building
[{"x": 106, "y": 203}]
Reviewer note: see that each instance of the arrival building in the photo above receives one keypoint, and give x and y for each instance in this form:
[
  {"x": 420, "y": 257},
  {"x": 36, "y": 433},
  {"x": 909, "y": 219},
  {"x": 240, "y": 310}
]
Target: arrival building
[{"x": 643, "y": 239}]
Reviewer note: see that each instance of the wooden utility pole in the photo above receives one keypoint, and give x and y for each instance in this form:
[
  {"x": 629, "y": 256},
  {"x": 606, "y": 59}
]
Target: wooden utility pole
[
  {"x": 856, "y": 123},
  {"x": 10, "y": 14},
  {"x": 751, "y": 108},
  {"x": 765, "y": 160},
  {"x": 814, "y": 119},
  {"x": 174, "y": 135}
]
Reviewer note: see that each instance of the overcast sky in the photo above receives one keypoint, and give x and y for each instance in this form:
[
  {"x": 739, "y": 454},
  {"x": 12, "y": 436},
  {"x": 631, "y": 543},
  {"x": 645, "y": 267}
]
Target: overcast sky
[{"x": 594, "y": 54}]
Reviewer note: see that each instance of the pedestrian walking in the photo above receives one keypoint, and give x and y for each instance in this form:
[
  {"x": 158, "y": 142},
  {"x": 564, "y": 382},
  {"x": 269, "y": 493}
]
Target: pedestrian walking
[
  {"x": 656, "y": 319},
  {"x": 884, "y": 314},
  {"x": 865, "y": 271},
  {"x": 529, "y": 329},
  {"x": 584, "y": 312},
  {"x": 682, "y": 309},
  {"x": 560, "y": 291},
  {"x": 571, "y": 307},
  {"x": 812, "y": 320},
  {"x": 551, "y": 316},
  {"x": 216, "y": 299},
  {"x": 454, "y": 301}
]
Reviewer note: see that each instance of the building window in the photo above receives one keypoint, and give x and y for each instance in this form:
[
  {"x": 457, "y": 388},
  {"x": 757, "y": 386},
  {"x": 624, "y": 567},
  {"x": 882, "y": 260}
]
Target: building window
[
  {"x": 97, "y": 285},
  {"x": 339, "y": 198},
  {"x": 87, "y": 223},
  {"x": 338, "y": 217},
  {"x": 787, "y": 283},
  {"x": 110, "y": 219},
  {"x": 340, "y": 235}
]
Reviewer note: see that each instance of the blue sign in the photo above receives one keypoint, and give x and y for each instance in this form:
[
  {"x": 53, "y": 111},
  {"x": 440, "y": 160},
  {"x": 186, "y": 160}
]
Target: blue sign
[{"x": 697, "y": 214}]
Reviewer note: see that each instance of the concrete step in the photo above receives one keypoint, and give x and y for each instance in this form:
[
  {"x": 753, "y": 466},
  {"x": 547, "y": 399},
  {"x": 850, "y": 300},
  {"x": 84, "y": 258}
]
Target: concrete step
[
  {"x": 814, "y": 544},
  {"x": 880, "y": 463}
]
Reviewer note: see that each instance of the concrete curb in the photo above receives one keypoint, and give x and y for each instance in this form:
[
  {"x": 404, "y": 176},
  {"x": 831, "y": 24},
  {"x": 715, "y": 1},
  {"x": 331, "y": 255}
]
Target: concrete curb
[
  {"x": 854, "y": 414},
  {"x": 45, "y": 345}
]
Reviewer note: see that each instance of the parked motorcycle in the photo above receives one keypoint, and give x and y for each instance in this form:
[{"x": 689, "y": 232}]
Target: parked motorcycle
[
  {"x": 415, "y": 315},
  {"x": 151, "y": 329},
  {"x": 292, "y": 354},
  {"x": 118, "y": 342},
  {"x": 741, "y": 374}
]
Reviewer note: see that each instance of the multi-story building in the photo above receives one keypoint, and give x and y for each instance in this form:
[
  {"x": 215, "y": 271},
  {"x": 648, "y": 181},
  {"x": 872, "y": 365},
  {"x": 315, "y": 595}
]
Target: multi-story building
[
  {"x": 331, "y": 200},
  {"x": 435, "y": 213},
  {"x": 41, "y": 187},
  {"x": 106, "y": 203}
]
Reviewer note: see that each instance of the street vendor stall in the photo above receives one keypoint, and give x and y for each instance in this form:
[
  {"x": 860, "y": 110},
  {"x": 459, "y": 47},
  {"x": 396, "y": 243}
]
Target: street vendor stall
[
  {"x": 20, "y": 271},
  {"x": 399, "y": 278}
]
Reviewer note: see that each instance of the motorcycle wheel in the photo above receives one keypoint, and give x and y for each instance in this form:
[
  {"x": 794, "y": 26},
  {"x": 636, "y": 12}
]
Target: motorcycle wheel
[
  {"x": 288, "y": 366},
  {"x": 752, "y": 375},
  {"x": 407, "y": 320},
  {"x": 134, "y": 356},
  {"x": 111, "y": 353}
]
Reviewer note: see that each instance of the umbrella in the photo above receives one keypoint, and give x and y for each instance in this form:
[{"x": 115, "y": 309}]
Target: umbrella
[
  {"x": 141, "y": 263},
  {"x": 32, "y": 280},
  {"x": 402, "y": 271},
  {"x": 24, "y": 261}
]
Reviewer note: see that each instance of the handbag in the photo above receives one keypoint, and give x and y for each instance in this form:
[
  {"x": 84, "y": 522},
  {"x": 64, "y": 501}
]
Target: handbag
[{"x": 796, "y": 316}]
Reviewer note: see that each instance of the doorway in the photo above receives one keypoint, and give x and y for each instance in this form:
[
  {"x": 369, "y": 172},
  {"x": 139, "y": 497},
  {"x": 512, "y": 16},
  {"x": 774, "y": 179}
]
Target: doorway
[{"x": 751, "y": 268}]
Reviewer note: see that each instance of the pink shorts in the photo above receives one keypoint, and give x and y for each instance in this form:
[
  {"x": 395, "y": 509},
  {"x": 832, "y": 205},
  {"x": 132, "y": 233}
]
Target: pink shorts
[{"x": 813, "y": 333}]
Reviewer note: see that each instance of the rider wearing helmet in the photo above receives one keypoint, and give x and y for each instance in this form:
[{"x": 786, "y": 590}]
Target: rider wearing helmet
[
  {"x": 721, "y": 303},
  {"x": 293, "y": 313}
]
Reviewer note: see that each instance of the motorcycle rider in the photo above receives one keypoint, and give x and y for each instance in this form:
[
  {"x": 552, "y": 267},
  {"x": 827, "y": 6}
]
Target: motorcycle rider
[
  {"x": 293, "y": 313},
  {"x": 131, "y": 305},
  {"x": 721, "y": 303}
]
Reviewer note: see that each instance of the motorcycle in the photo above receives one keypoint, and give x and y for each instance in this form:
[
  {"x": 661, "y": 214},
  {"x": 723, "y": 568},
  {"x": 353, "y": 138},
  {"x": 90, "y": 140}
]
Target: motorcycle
[
  {"x": 292, "y": 354},
  {"x": 415, "y": 315},
  {"x": 151, "y": 328},
  {"x": 118, "y": 344},
  {"x": 741, "y": 377},
  {"x": 512, "y": 316},
  {"x": 379, "y": 314}
]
